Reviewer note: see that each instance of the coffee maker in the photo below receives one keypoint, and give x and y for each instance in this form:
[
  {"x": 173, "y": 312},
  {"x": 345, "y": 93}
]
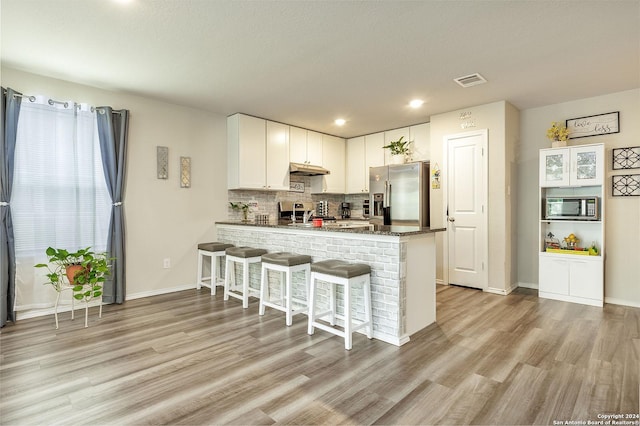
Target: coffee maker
[{"x": 345, "y": 210}]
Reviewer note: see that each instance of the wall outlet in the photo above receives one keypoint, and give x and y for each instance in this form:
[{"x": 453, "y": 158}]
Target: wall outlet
[{"x": 166, "y": 263}]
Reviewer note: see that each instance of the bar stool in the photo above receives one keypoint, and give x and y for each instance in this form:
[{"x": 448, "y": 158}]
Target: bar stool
[
  {"x": 244, "y": 256},
  {"x": 345, "y": 274},
  {"x": 215, "y": 251},
  {"x": 287, "y": 264}
]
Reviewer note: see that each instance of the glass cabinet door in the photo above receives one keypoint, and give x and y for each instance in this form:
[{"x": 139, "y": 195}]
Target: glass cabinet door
[
  {"x": 585, "y": 163},
  {"x": 554, "y": 167}
]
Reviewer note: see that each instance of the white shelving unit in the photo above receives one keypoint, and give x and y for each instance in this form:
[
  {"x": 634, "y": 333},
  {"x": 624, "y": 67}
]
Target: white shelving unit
[{"x": 568, "y": 172}]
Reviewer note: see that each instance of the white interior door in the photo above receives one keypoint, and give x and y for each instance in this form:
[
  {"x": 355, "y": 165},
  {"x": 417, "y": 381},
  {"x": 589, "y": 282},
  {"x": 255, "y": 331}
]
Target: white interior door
[{"x": 467, "y": 248}]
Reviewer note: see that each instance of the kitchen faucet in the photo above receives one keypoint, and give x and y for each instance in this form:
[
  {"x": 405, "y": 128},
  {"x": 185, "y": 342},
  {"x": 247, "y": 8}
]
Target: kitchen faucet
[{"x": 307, "y": 215}]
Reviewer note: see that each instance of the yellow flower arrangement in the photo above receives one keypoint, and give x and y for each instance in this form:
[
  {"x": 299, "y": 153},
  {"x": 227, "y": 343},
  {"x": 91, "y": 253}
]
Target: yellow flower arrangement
[{"x": 557, "y": 132}]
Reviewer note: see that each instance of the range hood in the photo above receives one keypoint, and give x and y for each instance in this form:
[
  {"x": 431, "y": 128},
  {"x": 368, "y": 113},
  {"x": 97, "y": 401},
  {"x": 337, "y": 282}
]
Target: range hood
[{"x": 301, "y": 169}]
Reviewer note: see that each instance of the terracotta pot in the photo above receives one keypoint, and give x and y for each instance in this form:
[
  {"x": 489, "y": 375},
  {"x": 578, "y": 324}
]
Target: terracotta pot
[{"x": 72, "y": 271}]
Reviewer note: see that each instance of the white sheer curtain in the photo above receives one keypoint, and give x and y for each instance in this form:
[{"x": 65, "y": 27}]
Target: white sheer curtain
[{"x": 59, "y": 197}]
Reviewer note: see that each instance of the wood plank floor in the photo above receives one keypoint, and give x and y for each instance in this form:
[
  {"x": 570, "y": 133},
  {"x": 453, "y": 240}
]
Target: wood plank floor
[{"x": 189, "y": 358}]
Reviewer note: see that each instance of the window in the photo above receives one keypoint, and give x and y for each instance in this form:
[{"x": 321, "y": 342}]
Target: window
[{"x": 59, "y": 195}]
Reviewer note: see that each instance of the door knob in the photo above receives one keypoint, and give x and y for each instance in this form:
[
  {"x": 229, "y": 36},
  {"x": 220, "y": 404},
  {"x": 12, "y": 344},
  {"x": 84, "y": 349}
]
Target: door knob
[{"x": 452, "y": 219}]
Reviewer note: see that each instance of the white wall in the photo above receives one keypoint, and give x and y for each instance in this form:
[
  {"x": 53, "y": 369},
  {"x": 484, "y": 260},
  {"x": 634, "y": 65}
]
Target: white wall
[
  {"x": 162, "y": 219},
  {"x": 501, "y": 119},
  {"x": 622, "y": 228}
]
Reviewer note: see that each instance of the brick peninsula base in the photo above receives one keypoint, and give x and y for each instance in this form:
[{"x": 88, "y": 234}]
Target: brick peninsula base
[{"x": 402, "y": 260}]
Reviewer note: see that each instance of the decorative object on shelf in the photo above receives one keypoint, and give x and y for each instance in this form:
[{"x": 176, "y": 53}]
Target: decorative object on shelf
[
  {"x": 244, "y": 207},
  {"x": 593, "y": 125},
  {"x": 593, "y": 249},
  {"x": 550, "y": 242},
  {"x": 162, "y": 155},
  {"x": 625, "y": 185},
  {"x": 557, "y": 134},
  {"x": 571, "y": 240},
  {"x": 626, "y": 158},
  {"x": 262, "y": 219},
  {"x": 84, "y": 270},
  {"x": 400, "y": 151},
  {"x": 185, "y": 172}
]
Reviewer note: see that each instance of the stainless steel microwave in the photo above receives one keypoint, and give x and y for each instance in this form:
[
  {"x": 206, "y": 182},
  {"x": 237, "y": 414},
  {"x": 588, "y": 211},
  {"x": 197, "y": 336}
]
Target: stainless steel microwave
[{"x": 572, "y": 208}]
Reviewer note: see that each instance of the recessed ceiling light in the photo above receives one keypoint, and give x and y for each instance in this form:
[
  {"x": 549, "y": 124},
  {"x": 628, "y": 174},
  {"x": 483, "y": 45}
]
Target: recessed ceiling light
[
  {"x": 416, "y": 103},
  {"x": 340, "y": 121}
]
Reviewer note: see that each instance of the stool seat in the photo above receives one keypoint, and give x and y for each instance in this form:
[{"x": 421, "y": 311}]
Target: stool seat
[
  {"x": 245, "y": 252},
  {"x": 215, "y": 251},
  {"x": 287, "y": 264},
  {"x": 344, "y": 274},
  {"x": 340, "y": 268},
  {"x": 214, "y": 246},
  {"x": 244, "y": 256},
  {"x": 285, "y": 259}
]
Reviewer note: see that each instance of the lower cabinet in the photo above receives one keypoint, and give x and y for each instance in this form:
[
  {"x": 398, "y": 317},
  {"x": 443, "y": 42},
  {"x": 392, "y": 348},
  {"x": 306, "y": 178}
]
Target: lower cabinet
[{"x": 571, "y": 278}]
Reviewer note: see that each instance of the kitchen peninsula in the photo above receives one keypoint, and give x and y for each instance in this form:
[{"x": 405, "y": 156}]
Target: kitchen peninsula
[{"x": 402, "y": 260}]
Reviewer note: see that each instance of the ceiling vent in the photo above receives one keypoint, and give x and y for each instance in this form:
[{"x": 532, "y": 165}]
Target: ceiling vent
[{"x": 470, "y": 80}]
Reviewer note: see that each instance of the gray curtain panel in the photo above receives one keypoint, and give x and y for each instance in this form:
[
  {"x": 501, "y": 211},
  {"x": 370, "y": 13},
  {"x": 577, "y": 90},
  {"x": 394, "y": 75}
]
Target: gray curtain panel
[
  {"x": 11, "y": 101},
  {"x": 112, "y": 132}
]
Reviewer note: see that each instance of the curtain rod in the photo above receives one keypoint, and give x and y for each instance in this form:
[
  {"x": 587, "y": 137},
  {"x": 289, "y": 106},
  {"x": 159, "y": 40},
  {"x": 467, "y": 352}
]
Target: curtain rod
[{"x": 52, "y": 102}]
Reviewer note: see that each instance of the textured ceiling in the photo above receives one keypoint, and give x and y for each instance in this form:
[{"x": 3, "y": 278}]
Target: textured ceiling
[{"x": 309, "y": 62}]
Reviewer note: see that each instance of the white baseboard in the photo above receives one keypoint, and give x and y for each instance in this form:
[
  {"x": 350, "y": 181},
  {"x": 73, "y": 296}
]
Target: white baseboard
[
  {"x": 441, "y": 282},
  {"x": 160, "y": 291},
  {"x": 533, "y": 286},
  {"x": 614, "y": 301}
]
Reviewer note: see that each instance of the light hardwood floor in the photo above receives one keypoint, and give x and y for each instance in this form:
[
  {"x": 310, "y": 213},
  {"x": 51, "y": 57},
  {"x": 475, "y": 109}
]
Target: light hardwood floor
[{"x": 189, "y": 358}]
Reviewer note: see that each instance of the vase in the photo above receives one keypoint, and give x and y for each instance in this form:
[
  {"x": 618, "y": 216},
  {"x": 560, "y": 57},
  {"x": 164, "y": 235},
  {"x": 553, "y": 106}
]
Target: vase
[
  {"x": 398, "y": 159},
  {"x": 558, "y": 144}
]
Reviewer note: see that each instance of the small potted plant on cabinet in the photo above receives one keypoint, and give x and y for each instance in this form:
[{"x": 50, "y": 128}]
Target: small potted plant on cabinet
[
  {"x": 84, "y": 271},
  {"x": 558, "y": 135},
  {"x": 399, "y": 149}
]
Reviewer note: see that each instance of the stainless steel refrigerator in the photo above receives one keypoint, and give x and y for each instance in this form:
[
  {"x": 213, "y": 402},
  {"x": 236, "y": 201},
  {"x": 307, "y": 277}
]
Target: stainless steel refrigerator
[{"x": 399, "y": 194}]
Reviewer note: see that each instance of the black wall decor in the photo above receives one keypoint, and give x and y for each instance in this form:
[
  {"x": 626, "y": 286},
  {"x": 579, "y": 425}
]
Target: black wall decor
[
  {"x": 626, "y": 158},
  {"x": 625, "y": 185}
]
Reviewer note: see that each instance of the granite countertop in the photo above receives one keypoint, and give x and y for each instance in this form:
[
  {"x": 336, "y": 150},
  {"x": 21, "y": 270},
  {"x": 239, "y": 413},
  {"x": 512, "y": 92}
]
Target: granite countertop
[{"x": 393, "y": 230}]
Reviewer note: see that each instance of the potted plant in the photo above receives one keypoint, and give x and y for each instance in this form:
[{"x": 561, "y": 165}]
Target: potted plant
[
  {"x": 84, "y": 271},
  {"x": 558, "y": 134},
  {"x": 399, "y": 150},
  {"x": 244, "y": 207}
]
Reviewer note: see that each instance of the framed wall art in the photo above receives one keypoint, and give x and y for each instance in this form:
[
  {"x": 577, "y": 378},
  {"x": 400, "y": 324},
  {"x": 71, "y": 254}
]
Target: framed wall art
[
  {"x": 162, "y": 157},
  {"x": 625, "y": 185},
  {"x": 185, "y": 172},
  {"x": 594, "y": 125},
  {"x": 626, "y": 158}
]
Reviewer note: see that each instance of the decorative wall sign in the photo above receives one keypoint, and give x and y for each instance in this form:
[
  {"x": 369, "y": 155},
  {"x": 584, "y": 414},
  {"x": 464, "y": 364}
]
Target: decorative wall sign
[
  {"x": 626, "y": 158},
  {"x": 296, "y": 186},
  {"x": 625, "y": 185},
  {"x": 594, "y": 125},
  {"x": 162, "y": 156},
  {"x": 185, "y": 172}
]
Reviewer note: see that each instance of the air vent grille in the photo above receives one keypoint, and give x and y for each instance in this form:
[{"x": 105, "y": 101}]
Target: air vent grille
[{"x": 470, "y": 80}]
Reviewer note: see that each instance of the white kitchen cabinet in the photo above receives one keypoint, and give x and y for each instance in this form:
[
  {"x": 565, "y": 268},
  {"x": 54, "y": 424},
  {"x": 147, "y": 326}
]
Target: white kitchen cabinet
[
  {"x": 277, "y": 154},
  {"x": 333, "y": 159},
  {"x": 305, "y": 146},
  {"x": 571, "y": 278},
  {"x": 421, "y": 146},
  {"x": 362, "y": 153},
  {"x": 572, "y": 166},
  {"x": 257, "y": 153},
  {"x": 569, "y": 172},
  {"x": 355, "y": 170}
]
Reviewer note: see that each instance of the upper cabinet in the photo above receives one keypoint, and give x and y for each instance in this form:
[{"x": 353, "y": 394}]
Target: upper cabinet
[
  {"x": 257, "y": 153},
  {"x": 305, "y": 146},
  {"x": 421, "y": 146},
  {"x": 362, "y": 153},
  {"x": 333, "y": 159},
  {"x": 572, "y": 166}
]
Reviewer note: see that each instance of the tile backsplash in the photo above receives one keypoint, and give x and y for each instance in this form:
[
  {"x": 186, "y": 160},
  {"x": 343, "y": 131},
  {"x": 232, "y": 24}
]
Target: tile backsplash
[{"x": 266, "y": 202}]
